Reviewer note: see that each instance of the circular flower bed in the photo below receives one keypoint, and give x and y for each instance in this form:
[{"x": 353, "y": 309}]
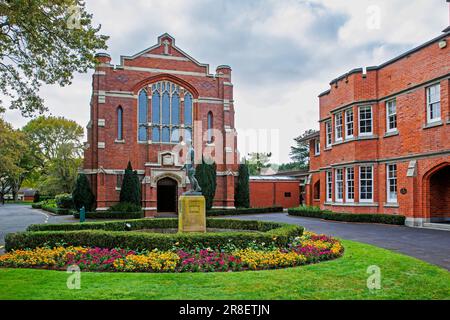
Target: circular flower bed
[{"x": 309, "y": 248}]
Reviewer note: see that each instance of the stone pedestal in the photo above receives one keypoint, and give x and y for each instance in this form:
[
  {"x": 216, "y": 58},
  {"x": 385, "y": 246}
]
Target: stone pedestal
[{"x": 191, "y": 213}]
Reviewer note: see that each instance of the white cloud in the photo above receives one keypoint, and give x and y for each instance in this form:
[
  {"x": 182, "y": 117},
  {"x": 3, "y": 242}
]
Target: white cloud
[{"x": 283, "y": 52}]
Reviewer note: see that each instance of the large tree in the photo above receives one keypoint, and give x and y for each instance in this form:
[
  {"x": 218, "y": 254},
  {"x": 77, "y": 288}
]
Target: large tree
[
  {"x": 300, "y": 150},
  {"x": 43, "y": 42},
  {"x": 57, "y": 144},
  {"x": 12, "y": 148},
  {"x": 257, "y": 161}
]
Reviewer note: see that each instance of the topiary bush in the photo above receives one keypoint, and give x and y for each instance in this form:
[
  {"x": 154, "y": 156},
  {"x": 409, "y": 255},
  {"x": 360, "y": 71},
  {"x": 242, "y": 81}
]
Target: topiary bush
[
  {"x": 113, "y": 234},
  {"x": 82, "y": 195},
  {"x": 206, "y": 177},
  {"x": 131, "y": 188},
  {"x": 242, "y": 192}
]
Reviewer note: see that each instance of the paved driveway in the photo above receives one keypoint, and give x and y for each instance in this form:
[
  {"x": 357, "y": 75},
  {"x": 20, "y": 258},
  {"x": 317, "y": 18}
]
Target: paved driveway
[
  {"x": 15, "y": 218},
  {"x": 429, "y": 245}
]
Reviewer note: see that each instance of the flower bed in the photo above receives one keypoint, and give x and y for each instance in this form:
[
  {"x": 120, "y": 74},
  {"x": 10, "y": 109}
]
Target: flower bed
[
  {"x": 127, "y": 234},
  {"x": 309, "y": 248}
]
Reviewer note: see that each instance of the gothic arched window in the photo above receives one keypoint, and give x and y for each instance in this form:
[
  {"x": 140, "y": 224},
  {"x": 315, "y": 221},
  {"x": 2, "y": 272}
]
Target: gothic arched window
[
  {"x": 210, "y": 127},
  {"x": 166, "y": 110},
  {"x": 142, "y": 116},
  {"x": 119, "y": 123}
]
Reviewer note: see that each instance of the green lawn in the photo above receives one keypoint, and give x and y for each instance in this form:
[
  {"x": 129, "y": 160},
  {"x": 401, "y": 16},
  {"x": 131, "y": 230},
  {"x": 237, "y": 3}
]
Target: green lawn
[{"x": 403, "y": 277}]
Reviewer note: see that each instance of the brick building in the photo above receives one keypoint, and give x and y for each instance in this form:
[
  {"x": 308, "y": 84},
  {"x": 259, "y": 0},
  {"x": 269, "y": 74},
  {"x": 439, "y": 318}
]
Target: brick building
[
  {"x": 144, "y": 110},
  {"x": 384, "y": 139}
]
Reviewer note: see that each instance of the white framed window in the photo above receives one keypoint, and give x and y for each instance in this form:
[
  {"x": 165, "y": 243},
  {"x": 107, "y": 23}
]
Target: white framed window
[
  {"x": 366, "y": 184},
  {"x": 365, "y": 120},
  {"x": 350, "y": 185},
  {"x": 339, "y": 185},
  {"x": 328, "y": 132},
  {"x": 434, "y": 103},
  {"x": 316, "y": 147},
  {"x": 329, "y": 186},
  {"x": 391, "y": 116},
  {"x": 338, "y": 122},
  {"x": 391, "y": 178},
  {"x": 349, "y": 123}
]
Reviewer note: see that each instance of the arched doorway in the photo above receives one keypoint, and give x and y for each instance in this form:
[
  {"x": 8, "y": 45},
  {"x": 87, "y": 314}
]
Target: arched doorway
[
  {"x": 439, "y": 194},
  {"x": 167, "y": 195}
]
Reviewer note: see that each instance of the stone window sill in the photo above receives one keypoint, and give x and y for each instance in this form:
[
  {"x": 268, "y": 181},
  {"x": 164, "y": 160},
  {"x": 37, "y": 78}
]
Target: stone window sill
[
  {"x": 118, "y": 189},
  {"x": 119, "y": 141},
  {"x": 433, "y": 124},
  {"x": 391, "y": 134},
  {"x": 352, "y": 204},
  {"x": 391, "y": 205}
]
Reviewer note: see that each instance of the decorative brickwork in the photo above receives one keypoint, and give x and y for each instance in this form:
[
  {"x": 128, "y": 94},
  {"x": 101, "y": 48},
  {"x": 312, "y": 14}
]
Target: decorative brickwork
[
  {"x": 395, "y": 146},
  {"x": 160, "y": 75}
]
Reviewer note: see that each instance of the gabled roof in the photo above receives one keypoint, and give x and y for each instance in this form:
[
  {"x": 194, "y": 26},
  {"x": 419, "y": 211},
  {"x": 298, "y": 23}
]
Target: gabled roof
[{"x": 160, "y": 39}]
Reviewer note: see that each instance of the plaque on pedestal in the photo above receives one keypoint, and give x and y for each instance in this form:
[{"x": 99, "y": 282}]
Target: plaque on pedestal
[{"x": 191, "y": 213}]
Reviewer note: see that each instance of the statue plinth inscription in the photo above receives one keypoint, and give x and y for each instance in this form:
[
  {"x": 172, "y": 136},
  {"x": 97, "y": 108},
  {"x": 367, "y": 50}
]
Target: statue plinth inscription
[{"x": 192, "y": 213}]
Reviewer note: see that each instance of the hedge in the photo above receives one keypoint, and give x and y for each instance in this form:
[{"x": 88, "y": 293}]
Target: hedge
[
  {"x": 59, "y": 211},
  {"x": 315, "y": 212},
  {"x": 110, "y": 215},
  {"x": 238, "y": 211},
  {"x": 113, "y": 234}
]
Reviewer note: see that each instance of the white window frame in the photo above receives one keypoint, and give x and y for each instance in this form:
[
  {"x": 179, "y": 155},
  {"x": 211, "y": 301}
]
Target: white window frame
[
  {"x": 389, "y": 182},
  {"x": 389, "y": 104},
  {"x": 339, "y": 184},
  {"x": 349, "y": 123},
  {"x": 359, "y": 121},
  {"x": 432, "y": 100},
  {"x": 360, "y": 184},
  {"x": 329, "y": 186},
  {"x": 347, "y": 180},
  {"x": 317, "y": 146},
  {"x": 329, "y": 134},
  {"x": 338, "y": 126}
]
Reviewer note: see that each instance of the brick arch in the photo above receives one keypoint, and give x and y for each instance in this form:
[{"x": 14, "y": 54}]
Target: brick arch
[
  {"x": 166, "y": 77},
  {"x": 426, "y": 188}
]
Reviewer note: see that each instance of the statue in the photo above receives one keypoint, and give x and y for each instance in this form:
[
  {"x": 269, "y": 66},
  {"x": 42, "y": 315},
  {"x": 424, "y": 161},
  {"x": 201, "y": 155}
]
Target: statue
[{"x": 189, "y": 166}]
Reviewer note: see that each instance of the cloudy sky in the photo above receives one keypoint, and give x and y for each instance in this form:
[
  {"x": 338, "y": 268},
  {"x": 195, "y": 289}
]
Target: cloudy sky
[{"x": 283, "y": 52}]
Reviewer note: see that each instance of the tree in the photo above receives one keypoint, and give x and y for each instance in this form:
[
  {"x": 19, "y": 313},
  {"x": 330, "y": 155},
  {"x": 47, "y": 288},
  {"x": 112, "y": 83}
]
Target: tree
[
  {"x": 57, "y": 147},
  {"x": 43, "y": 42},
  {"x": 12, "y": 148},
  {"x": 49, "y": 134},
  {"x": 257, "y": 161},
  {"x": 206, "y": 177},
  {"x": 82, "y": 194},
  {"x": 300, "y": 151},
  {"x": 242, "y": 193},
  {"x": 131, "y": 188}
]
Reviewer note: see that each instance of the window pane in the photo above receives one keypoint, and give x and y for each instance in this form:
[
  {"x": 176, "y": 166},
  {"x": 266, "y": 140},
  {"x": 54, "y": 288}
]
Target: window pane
[
  {"x": 165, "y": 108},
  {"x": 119, "y": 123},
  {"x": 175, "y": 109},
  {"x": 142, "y": 102},
  {"x": 175, "y": 135},
  {"x": 155, "y": 135},
  {"x": 165, "y": 134},
  {"x": 155, "y": 108},
  {"x": 187, "y": 109}
]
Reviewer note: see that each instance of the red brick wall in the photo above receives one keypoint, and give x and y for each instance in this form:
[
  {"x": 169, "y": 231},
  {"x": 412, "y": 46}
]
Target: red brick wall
[
  {"x": 211, "y": 93},
  {"x": 404, "y": 79},
  {"x": 273, "y": 193}
]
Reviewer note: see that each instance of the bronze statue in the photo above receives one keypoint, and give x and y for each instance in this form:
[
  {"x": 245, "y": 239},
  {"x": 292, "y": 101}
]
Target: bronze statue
[{"x": 189, "y": 166}]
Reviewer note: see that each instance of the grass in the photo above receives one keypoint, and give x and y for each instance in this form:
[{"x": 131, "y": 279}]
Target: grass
[{"x": 403, "y": 277}]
